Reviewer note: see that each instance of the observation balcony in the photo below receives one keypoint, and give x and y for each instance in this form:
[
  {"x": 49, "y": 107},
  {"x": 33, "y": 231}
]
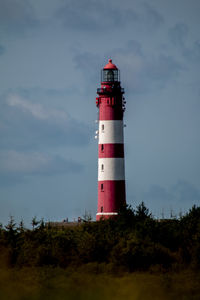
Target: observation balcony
[{"x": 110, "y": 89}]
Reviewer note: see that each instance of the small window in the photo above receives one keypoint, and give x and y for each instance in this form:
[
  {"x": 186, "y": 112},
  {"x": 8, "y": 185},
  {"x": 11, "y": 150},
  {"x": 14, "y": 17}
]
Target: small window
[
  {"x": 101, "y": 208},
  {"x": 102, "y": 186},
  {"x": 102, "y": 147},
  {"x": 102, "y": 127},
  {"x": 102, "y": 167}
]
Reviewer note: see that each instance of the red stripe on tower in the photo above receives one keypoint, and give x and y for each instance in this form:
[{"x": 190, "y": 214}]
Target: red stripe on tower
[{"x": 111, "y": 170}]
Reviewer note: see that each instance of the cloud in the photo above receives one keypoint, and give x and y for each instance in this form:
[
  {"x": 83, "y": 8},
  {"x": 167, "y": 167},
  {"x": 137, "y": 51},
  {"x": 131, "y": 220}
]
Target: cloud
[
  {"x": 88, "y": 64},
  {"x": 178, "y": 34},
  {"x": 2, "y": 50},
  {"x": 17, "y": 167},
  {"x": 158, "y": 193},
  {"x": 28, "y": 130},
  {"x": 178, "y": 37},
  {"x": 16, "y": 16},
  {"x": 179, "y": 194},
  {"x": 25, "y": 124},
  {"x": 143, "y": 71},
  {"x": 152, "y": 17},
  {"x": 192, "y": 54},
  {"x": 35, "y": 109},
  {"x": 184, "y": 191},
  {"x": 92, "y": 16}
]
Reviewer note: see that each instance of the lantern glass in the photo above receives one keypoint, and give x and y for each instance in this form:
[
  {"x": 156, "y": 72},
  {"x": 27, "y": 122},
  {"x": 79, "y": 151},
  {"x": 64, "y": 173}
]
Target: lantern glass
[{"x": 109, "y": 75}]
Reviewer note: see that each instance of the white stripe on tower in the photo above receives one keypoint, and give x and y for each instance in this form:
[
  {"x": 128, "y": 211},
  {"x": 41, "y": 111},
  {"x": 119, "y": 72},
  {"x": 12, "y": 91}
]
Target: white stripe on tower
[
  {"x": 111, "y": 169},
  {"x": 111, "y": 132}
]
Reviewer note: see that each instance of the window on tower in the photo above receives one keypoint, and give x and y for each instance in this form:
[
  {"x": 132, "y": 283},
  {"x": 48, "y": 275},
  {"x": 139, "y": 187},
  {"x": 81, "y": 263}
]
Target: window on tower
[
  {"x": 101, "y": 186},
  {"x": 102, "y": 127},
  {"x": 102, "y": 167},
  {"x": 101, "y": 208},
  {"x": 102, "y": 147}
]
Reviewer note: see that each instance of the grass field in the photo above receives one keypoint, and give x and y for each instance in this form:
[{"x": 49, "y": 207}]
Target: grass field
[{"x": 92, "y": 283}]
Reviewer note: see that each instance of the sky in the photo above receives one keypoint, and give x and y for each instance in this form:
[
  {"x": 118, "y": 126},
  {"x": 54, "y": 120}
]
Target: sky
[{"x": 51, "y": 55}]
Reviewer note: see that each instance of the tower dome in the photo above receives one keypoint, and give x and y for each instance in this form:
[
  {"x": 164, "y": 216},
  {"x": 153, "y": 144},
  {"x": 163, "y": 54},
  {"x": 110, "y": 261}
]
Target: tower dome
[{"x": 110, "y": 65}]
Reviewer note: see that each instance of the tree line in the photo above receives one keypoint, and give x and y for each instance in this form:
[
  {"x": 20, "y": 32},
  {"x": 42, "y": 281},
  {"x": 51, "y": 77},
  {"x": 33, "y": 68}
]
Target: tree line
[{"x": 132, "y": 241}]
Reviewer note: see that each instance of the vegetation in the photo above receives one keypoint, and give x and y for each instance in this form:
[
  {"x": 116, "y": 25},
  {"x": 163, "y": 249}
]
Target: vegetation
[{"x": 131, "y": 256}]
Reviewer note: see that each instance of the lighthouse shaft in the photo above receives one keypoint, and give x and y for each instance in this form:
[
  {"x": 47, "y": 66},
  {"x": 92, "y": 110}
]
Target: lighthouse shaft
[{"x": 111, "y": 169}]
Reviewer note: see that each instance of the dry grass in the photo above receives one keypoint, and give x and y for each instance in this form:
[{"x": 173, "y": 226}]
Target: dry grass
[{"x": 55, "y": 283}]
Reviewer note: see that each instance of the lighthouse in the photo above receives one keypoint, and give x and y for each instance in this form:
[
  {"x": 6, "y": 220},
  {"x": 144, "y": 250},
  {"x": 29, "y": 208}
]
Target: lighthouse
[{"x": 111, "y": 167}]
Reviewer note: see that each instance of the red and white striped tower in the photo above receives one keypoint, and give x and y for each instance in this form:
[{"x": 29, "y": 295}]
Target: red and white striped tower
[{"x": 111, "y": 173}]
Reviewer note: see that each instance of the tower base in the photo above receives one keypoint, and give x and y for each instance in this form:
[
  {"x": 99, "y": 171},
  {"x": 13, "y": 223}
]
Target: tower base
[{"x": 104, "y": 216}]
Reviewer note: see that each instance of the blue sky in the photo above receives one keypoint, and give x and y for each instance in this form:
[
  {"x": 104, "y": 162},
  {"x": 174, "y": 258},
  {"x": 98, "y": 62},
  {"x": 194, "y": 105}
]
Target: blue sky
[{"x": 51, "y": 54}]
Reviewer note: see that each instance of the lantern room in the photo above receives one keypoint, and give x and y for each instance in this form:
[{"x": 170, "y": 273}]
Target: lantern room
[{"x": 110, "y": 73}]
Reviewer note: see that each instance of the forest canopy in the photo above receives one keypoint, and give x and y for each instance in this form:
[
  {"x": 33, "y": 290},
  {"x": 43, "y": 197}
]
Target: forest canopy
[{"x": 133, "y": 241}]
